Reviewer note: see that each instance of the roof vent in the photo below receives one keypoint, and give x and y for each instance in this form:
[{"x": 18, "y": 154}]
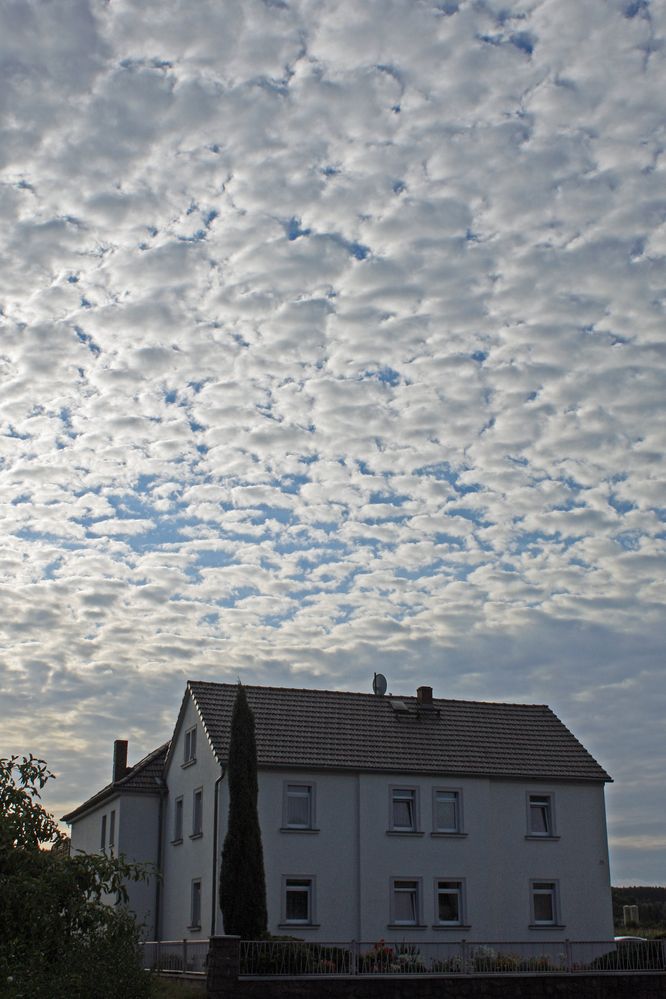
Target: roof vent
[{"x": 119, "y": 759}]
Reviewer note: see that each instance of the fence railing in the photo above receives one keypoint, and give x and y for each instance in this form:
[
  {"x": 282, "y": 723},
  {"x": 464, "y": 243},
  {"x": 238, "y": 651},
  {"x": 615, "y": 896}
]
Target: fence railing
[
  {"x": 286, "y": 958},
  {"x": 176, "y": 956}
]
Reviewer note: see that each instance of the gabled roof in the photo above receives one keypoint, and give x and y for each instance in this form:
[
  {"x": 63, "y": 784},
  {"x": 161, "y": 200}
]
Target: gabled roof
[
  {"x": 145, "y": 777},
  {"x": 326, "y": 729}
]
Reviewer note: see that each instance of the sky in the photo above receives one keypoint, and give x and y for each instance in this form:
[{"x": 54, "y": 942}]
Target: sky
[{"x": 332, "y": 341}]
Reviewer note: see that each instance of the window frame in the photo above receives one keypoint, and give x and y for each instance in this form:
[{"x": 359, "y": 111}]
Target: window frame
[
  {"x": 197, "y": 813},
  {"x": 459, "y": 827},
  {"x": 417, "y": 883},
  {"x": 461, "y": 894},
  {"x": 311, "y": 796},
  {"x": 190, "y": 746},
  {"x": 544, "y": 800},
  {"x": 196, "y": 891},
  {"x": 112, "y": 829},
  {"x": 548, "y": 887},
  {"x": 292, "y": 883},
  {"x": 400, "y": 830},
  {"x": 102, "y": 839},
  {"x": 178, "y": 814}
]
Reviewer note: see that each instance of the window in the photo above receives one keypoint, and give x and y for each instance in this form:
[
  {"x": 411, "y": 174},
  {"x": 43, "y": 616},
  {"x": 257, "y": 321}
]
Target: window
[
  {"x": 405, "y": 902},
  {"x": 298, "y": 900},
  {"x": 178, "y": 821},
  {"x": 197, "y": 812},
  {"x": 112, "y": 828},
  {"x": 449, "y": 903},
  {"x": 195, "y": 905},
  {"x": 544, "y": 903},
  {"x": 102, "y": 844},
  {"x": 403, "y": 809},
  {"x": 447, "y": 811},
  {"x": 540, "y": 815},
  {"x": 190, "y": 749},
  {"x": 298, "y": 806}
]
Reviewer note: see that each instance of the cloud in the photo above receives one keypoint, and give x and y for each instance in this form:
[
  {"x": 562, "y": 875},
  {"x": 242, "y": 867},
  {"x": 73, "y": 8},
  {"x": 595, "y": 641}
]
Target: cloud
[{"x": 332, "y": 341}]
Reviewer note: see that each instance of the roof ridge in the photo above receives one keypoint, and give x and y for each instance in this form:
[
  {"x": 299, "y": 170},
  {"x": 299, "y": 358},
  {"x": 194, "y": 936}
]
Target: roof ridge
[{"x": 365, "y": 694}]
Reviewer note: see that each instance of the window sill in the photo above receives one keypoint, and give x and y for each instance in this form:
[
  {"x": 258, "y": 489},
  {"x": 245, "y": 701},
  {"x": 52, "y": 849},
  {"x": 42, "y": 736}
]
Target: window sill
[
  {"x": 451, "y": 926},
  {"x": 404, "y": 832},
  {"x": 448, "y": 835},
  {"x": 547, "y": 926},
  {"x": 194, "y": 929},
  {"x": 188, "y": 763},
  {"x": 176, "y": 842},
  {"x": 299, "y": 926},
  {"x": 299, "y": 829},
  {"x": 406, "y": 926},
  {"x": 196, "y": 835},
  {"x": 545, "y": 838}
]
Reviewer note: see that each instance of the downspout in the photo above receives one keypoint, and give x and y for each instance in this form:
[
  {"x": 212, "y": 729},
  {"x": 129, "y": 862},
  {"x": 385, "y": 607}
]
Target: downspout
[
  {"x": 213, "y": 914},
  {"x": 358, "y": 872},
  {"x": 158, "y": 875}
]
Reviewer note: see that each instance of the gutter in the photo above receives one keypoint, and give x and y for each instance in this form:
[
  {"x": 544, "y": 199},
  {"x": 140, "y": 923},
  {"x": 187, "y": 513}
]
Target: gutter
[{"x": 158, "y": 875}]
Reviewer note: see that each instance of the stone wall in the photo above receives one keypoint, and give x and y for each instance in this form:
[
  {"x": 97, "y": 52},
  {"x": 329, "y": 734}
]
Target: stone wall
[{"x": 224, "y": 983}]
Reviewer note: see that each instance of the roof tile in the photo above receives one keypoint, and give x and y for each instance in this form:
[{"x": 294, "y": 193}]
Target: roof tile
[{"x": 351, "y": 731}]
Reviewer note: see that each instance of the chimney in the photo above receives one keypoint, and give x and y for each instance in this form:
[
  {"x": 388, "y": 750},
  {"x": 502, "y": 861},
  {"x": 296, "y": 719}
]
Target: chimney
[
  {"x": 424, "y": 697},
  {"x": 119, "y": 759}
]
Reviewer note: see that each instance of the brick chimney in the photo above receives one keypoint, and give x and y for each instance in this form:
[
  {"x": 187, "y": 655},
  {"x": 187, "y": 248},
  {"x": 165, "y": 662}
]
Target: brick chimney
[
  {"x": 119, "y": 759},
  {"x": 424, "y": 697}
]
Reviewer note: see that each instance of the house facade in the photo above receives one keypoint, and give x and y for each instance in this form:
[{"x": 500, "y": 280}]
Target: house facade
[{"x": 395, "y": 818}]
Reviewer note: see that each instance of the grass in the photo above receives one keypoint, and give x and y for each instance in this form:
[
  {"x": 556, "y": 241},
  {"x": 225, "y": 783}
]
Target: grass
[{"x": 172, "y": 988}]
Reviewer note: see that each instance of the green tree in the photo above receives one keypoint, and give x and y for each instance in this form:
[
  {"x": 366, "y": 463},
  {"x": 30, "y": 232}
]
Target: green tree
[
  {"x": 59, "y": 937},
  {"x": 242, "y": 878}
]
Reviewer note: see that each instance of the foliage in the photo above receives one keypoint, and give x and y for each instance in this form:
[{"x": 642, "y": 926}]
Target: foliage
[
  {"x": 59, "y": 937},
  {"x": 396, "y": 959},
  {"x": 651, "y": 902},
  {"x": 290, "y": 956},
  {"x": 242, "y": 878}
]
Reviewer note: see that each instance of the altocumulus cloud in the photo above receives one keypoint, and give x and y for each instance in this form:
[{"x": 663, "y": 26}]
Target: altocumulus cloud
[{"x": 332, "y": 341}]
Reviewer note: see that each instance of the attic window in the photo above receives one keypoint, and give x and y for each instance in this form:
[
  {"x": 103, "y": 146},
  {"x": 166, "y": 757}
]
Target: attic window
[{"x": 190, "y": 746}]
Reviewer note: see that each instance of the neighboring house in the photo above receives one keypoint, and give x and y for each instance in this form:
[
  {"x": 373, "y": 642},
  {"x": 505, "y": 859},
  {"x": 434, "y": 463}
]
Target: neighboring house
[
  {"x": 402, "y": 818},
  {"x": 125, "y": 818}
]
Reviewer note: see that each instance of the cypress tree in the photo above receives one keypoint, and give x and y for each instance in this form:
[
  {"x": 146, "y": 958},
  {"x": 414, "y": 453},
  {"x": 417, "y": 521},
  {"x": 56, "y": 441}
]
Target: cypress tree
[{"x": 242, "y": 879}]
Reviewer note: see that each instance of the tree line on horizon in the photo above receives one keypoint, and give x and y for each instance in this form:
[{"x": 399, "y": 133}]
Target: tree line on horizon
[{"x": 651, "y": 902}]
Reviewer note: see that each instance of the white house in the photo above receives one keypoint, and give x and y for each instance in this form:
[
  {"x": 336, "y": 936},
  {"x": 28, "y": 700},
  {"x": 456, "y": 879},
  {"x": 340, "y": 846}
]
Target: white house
[{"x": 381, "y": 816}]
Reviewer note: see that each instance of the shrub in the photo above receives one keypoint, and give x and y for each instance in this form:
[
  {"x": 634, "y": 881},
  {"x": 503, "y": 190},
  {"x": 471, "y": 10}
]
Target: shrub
[{"x": 58, "y": 938}]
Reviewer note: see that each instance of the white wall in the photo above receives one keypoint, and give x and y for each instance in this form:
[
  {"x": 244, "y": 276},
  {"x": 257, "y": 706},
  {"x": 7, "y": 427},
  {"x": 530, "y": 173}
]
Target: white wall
[
  {"x": 192, "y": 858},
  {"x": 138, "y": 842},
  {"x": 495, "y": 858},
  {"x": 330, "y": 855},
  {"x": 136, "y": 837}
]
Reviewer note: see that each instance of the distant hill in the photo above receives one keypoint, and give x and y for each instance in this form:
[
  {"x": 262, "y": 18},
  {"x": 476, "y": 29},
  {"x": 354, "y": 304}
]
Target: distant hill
[{"x": 651, "y": 902}]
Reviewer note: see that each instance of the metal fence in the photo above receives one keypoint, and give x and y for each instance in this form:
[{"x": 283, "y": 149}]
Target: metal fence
[
  {"x": 286, "y": 958},
  {"x": 184, "y": 957}
]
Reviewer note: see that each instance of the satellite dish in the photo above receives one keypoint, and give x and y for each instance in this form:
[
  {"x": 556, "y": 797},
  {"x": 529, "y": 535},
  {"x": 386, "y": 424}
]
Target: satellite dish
[{"x": 379, "y": 684}]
